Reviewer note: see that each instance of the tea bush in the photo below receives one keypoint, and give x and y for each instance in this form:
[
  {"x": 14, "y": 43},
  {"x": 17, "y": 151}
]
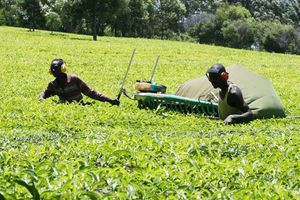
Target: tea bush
[{"x": 59, "y": 151}]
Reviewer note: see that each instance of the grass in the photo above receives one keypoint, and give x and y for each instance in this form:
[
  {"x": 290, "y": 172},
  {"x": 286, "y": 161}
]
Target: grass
[{"x": 59, "y": 151}]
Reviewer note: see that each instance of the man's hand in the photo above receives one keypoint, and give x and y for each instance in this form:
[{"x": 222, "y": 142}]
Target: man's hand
[
  {"x": 228, "y": 120},
  {"x": 114, "y": 102}
]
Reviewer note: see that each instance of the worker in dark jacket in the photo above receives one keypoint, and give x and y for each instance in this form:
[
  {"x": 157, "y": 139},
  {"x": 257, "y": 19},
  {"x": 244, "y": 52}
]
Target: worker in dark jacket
[
  {"x": 232, "y": 107},
  {"x": 69, "y": 88}
]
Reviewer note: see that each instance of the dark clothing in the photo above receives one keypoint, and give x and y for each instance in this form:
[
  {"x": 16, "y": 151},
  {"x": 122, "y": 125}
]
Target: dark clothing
[{"x": 71, "y": 90}]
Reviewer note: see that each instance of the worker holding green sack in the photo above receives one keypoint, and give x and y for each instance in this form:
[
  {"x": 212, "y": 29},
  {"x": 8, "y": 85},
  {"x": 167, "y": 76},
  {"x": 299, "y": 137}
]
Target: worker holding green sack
[{"x": 232, "y": 107}]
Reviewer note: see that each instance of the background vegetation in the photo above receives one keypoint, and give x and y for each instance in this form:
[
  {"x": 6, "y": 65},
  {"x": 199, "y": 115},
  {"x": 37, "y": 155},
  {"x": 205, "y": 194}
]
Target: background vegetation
[
  {"x": 60, "y": 151},
  {"x": 270, "y": 25}
]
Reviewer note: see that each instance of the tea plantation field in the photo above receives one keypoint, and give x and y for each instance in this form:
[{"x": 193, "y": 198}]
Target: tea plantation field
[{"x": 59, "y": 151}]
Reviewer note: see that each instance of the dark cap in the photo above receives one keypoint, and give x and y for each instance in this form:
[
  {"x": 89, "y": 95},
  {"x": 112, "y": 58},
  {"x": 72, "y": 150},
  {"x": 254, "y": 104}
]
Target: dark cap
[
  {"x": 57, "y": 63},
  {"x": 216, "y": 69}
]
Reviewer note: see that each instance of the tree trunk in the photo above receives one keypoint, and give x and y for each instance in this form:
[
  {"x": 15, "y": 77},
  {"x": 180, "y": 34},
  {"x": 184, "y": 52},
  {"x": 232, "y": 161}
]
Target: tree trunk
[
  {"x": 94, "y": 24},
  {"x": 33, "y": 21}
]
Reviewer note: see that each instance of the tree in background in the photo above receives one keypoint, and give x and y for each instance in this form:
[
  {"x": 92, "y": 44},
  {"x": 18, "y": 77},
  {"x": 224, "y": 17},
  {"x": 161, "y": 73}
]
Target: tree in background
[
  {"x": 210, "y": 5},
  {"x": 98, "y": 13},
  {"x": 273, "y": 9},
  {"x": 139, "y": 17},
  {"x": 295, "y": 47},
  {"x": 191, "y": 7},
  {"x": 279, "y": 38},
  {"x": 292, "y": 12},
  {"x": 9, "y": 12},
  {"x": 273, "y": 36},
  {"x": 233, "y": 26},
  {"x": 239, "y": 34},
  {"x": 169, "y": 14},
  {"x": 133, "y": 20},
  {"x": 53, "y": 21},
  {"x": 285, "y": 11},
  {"x": 31, "y": 13},
  {"x": 150, "y": 18},
  {"x": 71, "y": 15}
]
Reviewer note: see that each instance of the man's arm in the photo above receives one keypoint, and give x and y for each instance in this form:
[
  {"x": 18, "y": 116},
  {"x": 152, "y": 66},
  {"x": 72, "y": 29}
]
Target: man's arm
[
  {"x": 235, "y": 99},
  {"x": 88, "y": 91},
  {"x": 48, "y": 92}
]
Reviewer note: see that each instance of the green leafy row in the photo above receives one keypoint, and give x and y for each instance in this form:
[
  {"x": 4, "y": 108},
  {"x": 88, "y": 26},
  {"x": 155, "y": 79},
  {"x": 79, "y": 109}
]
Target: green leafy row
[{"x": 60, "y": 151}]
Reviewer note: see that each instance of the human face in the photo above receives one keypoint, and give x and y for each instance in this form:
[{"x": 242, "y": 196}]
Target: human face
[
  {"x": 214, "y": 79},
  {"x": 55, "y": 70}
]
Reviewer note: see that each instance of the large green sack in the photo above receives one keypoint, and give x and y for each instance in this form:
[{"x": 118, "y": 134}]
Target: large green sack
[{"x": 257, "y": 90}]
